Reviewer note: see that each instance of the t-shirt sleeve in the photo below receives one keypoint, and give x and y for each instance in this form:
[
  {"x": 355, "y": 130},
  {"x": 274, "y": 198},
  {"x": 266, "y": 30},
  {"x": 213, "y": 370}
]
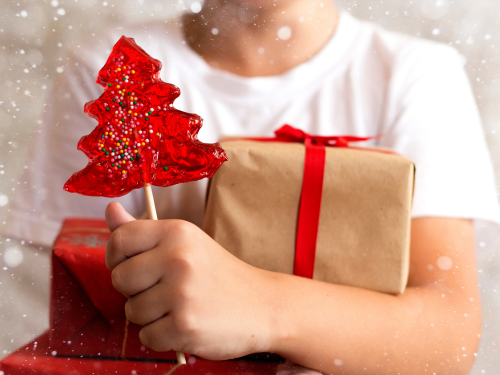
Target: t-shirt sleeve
[
  {"x": 39, "y": 204},
  {"x": 433, "y": 120}
]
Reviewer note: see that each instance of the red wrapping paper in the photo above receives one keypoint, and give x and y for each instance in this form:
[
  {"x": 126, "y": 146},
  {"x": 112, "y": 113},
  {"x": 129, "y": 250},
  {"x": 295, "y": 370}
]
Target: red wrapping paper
[
  {"x": 36, "y": 358},
  {"x": 87, "y": 315}
]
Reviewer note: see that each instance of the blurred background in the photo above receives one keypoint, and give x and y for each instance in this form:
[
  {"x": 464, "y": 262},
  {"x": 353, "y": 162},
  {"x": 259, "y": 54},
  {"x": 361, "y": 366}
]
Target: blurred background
[{"x": 34, "y": 35}]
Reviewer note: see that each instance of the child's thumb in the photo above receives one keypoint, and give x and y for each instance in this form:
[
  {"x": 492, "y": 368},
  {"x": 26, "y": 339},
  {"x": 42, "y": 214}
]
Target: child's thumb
[{"x": 116, "y": 216}]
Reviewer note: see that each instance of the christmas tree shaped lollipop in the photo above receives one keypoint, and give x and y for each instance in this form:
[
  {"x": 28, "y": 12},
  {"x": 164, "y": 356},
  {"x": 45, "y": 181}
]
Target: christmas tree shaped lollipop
[{"x": 140, "y": 138}]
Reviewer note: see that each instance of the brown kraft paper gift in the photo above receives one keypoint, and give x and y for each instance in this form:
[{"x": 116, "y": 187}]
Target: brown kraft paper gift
[{"x": 364, "y": 226}]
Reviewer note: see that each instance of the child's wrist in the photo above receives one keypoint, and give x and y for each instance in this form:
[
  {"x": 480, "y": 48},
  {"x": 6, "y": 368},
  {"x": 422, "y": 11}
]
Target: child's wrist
[{"x": 277, "y": 311}]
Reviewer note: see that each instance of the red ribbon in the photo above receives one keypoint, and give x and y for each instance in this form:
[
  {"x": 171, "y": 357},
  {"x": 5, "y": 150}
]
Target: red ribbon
[{"x": 312, "y": 190}]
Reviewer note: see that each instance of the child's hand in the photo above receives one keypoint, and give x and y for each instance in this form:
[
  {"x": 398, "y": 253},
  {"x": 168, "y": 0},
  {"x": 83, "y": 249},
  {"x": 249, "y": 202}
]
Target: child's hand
[{"x": 189, "y": 293}]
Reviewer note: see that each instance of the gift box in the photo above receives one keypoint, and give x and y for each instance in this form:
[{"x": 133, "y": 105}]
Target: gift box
[
  {"x": 315, "y": 207},
  {"x": 37, "y": 358},
  {"x": 87, "y": 316}
]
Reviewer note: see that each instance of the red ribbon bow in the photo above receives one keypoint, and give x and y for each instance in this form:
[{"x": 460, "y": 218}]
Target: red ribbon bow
[
  {"x": 312, "y": 190},
  {"x": 288, "y": 133}
]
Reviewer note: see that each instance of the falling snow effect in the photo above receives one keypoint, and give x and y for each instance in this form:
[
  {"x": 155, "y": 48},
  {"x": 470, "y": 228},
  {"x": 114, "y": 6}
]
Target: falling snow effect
[
  {"x": 444, "y": 263},
  {"x": 285, "y": 32},
  {"x": 195, "y": 7},
  {"x": 30, "y": 60},
  {"x": 13, "y": 257},
  {"x": 435, "y": 9},
  {"x": 3, "y": 198}
]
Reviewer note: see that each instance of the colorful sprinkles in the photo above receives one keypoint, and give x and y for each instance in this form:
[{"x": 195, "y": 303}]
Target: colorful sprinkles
[{"x": 122, "y": 141}]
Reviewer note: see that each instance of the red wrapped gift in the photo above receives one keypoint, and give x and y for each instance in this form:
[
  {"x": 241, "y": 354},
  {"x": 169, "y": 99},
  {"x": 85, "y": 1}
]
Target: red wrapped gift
[
  {"x": 87, "y": 316},
  {"x": 36, "y": 358}
]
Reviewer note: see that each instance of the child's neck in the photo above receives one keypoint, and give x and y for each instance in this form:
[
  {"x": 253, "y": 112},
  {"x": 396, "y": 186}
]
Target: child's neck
[{"x": 244, "y": 39}]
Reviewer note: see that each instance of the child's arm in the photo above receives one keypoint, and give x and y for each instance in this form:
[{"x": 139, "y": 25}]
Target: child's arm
[
  {"x": 193, "y": 296},
  {"x": 433, "y": 327}
]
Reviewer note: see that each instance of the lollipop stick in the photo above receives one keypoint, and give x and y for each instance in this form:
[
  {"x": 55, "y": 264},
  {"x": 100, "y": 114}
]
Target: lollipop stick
[
  {"x": 150, "y": 202},
  {"x": 125, "y": 335}
]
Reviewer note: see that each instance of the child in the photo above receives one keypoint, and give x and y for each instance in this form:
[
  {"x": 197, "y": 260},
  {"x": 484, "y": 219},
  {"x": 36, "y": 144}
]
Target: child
[{"x": 247, "y": 67}]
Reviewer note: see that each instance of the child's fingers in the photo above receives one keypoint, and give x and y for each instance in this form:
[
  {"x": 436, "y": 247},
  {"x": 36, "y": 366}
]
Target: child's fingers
[
  {"x": 161, "y": 335},
  {"x": 131, "y": 239},
  {"x": 116, "y": 216},
  {"x": 150, "y": 305},
  {"x": 137, "y": 273}
]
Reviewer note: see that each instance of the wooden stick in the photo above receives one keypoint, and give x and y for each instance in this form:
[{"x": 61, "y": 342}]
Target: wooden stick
[
  {"x": 125, "y": 335},
  {"x": 150, "y": 202},
  {"x": 172, "y": 370},
  {"x": 181, "y": 358}
]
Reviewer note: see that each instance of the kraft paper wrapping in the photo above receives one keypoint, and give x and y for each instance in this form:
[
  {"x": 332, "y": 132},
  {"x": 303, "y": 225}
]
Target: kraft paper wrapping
[{"x": 364, "y": 227}]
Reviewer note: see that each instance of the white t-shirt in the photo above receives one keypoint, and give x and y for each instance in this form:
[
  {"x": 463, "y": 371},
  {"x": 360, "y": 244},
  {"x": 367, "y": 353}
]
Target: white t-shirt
[{"x": 365, "y": 81}]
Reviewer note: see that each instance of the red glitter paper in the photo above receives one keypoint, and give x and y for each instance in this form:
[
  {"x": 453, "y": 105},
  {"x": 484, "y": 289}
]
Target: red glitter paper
[{"x": 140, "y": 137}]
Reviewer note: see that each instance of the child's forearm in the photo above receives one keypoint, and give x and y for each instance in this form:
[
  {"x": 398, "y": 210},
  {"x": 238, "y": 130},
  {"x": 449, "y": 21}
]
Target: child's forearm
[
  {"x": 191, "y": 295},
  {"x": 346, "y": 330}
]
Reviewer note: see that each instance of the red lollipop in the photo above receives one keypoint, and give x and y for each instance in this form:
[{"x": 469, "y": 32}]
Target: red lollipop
[{"x": 140, "y": 138}]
